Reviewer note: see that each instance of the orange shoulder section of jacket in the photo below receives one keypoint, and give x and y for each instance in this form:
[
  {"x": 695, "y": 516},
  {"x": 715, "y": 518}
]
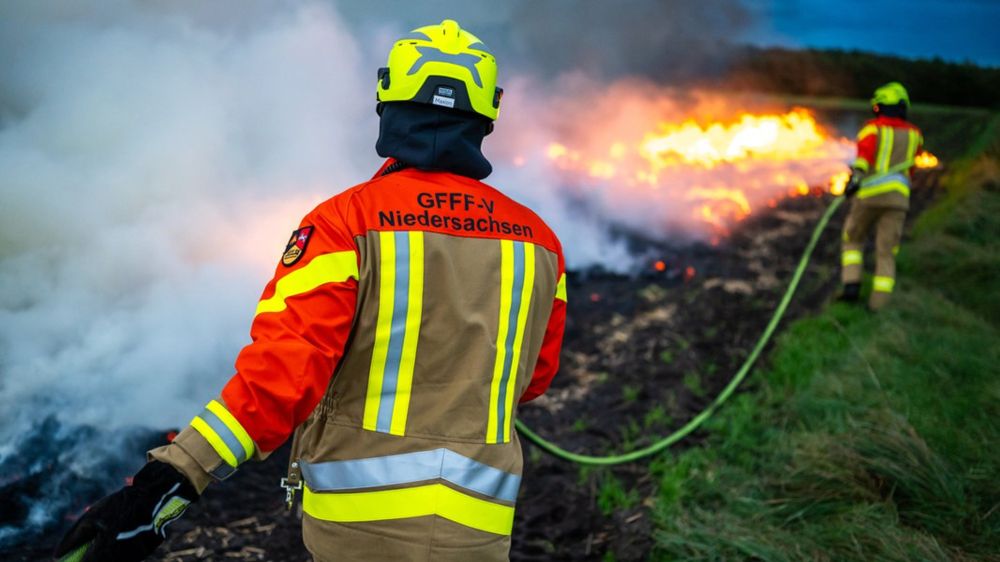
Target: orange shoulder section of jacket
[{"x": 444, "y": 203}]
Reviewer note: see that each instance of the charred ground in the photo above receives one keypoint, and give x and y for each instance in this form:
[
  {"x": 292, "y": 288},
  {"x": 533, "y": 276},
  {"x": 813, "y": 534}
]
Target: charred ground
[{"x": 643, "y": 353}]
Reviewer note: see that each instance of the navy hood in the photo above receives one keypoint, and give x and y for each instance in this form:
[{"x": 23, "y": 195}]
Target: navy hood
[{"x": 434, "y": 139}]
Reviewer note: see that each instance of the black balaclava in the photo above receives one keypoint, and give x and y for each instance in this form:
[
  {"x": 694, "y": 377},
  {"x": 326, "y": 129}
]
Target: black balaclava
[
  {"x": 434, "y": 138},
  {"x": 896, "y": 110}
]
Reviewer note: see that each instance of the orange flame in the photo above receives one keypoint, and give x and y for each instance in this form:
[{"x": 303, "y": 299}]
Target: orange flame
[
  {"x": 721, "y": 170},
  {"x": 926, "y": 160},
  {"x": 838, "y": 183}
]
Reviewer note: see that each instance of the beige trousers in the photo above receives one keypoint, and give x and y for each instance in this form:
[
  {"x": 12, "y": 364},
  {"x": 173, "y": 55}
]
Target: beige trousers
[{"x": 888, "y": 225}]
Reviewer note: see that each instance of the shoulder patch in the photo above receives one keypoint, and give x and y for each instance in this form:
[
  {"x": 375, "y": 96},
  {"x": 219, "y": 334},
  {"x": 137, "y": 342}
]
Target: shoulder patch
[{"x": 296, "y": 247}]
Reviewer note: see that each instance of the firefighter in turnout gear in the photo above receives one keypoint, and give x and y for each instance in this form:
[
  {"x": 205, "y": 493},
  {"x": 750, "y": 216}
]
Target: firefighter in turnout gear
[
  {"x": 880, "y": 185},
  {"x": 407, "y": 319}
]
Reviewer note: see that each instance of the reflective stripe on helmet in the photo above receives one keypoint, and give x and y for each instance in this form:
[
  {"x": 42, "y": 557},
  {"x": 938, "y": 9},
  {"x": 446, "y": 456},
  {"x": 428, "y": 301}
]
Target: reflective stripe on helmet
[
  {"x": 891, "y": 94},
  {"x": 442, "y": 65}
]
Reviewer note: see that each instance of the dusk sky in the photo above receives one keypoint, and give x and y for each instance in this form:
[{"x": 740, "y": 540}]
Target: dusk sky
[{"x": 956, "y": 30}]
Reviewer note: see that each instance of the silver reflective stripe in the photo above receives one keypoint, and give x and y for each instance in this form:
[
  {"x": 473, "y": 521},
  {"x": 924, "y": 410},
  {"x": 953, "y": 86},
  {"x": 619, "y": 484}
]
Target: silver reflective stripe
[
  {"x": 125, "y": 535},
  {"x": 431, "y": 54},
  {"x": 880, "y": 179},
  {"x": 407, "y": 468},
  {"x": 226, "y": 434},
  {"x": 422, "y": 37},
  {"x": 480, "y": 46}
]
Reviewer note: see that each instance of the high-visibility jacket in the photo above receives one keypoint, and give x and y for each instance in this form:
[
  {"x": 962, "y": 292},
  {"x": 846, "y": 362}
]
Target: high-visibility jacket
[
  {"x": 887, "y": 147},
  {"x": 408, "y": 318}
]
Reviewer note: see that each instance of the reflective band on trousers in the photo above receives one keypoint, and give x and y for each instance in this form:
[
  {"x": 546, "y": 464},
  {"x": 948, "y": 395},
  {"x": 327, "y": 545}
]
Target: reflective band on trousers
[
  {"x": 884, "y": 184},
  {"x": 224, "y": 434},
  {"x": 851, "y": 257},
  {"x": 883, "y": 284},
  {"x": 397, "y": 330},
  {"x": 517, "y": 279},
  {"x": 340, "y": 479},
  {"x": 419, "y": 501},
  {"x": 408, "y": 468}
]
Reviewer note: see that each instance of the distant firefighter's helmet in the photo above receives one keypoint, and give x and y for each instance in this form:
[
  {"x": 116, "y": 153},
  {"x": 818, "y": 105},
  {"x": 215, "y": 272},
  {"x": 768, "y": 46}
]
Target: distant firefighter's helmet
[
  {"x": 892, "y": 93},
  {"x": 442, "y": 65}
]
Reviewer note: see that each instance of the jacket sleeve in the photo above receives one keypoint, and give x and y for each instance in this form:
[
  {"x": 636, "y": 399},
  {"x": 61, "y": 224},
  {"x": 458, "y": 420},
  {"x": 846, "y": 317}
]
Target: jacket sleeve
[
  {"x": 548, "y": 357},
  {"x": 867, "y": 147},
  {"x": 298, "y": 335}
]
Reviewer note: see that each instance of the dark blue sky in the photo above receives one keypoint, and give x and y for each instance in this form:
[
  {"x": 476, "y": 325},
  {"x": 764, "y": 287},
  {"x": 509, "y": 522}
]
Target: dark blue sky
[{"x": 956, "y": 30}]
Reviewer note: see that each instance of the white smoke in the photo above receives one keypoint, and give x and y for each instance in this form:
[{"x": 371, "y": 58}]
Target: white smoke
[
  {"x": 153, "y": 159},
  {"x": 152, "y": 164}
]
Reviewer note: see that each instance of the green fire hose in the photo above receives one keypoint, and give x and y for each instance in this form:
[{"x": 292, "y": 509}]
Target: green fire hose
[{"x": 741, "y": 374}]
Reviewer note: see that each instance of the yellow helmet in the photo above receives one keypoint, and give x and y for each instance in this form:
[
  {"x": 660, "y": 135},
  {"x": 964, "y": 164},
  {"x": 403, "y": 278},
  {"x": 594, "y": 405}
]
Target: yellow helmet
[
  {"x": 442, "y": 65},
  {"x": 891, "y": 94}
]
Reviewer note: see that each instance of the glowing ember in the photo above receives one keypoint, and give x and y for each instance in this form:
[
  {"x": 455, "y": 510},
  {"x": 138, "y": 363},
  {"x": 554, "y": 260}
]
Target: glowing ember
[{"x": 660, "y": 266}]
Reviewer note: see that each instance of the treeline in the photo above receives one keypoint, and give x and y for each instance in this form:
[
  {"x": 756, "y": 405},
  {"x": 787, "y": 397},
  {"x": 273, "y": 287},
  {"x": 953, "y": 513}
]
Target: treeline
[{"x": 814, "y": 72}]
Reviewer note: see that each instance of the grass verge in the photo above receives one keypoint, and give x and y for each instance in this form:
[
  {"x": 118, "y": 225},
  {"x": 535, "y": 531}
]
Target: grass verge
[{"x": 869, "y": 437}]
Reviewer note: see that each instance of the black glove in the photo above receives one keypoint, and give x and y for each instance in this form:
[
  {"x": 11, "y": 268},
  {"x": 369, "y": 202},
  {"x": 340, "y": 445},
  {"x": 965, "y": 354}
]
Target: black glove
[
  {"x": 854, "y": 183},
  {"x": 129, "y": 524}
]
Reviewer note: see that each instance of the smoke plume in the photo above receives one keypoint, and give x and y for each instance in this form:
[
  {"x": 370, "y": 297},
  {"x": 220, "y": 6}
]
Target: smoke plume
[{"x": 155, "y": 156}]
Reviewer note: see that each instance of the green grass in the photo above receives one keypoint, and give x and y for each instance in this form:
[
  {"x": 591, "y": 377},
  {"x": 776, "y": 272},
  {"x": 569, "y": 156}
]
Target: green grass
[
  {"x": 612, "y": 495},
  {"x": 867, "y": 437}
]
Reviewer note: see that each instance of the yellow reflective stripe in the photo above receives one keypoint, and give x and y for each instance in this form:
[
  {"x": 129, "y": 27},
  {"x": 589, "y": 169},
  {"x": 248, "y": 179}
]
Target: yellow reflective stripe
[
  {"x": 414, "y": 308},
  {"x": 386, "y": 296},
  {"x": 419, "y": 501},
  {"x": 527, "y": 287},
  {"x": 326, "y": 268},
  {"x": 244, "y": 438},
  {"x": 911, "y": 149},
  {"x": 883, "y": 284},
  {"x": 506, "y": 288},
  {"x": 884, "y": 149},
  {"x": 860, "y": 163},
  {"x": 881, "y": 188},
  {"x": 851, "y": 257},
  {"x": 867, "y": 130},
  {"x": 561, "y": 288},
  {"x": 215, "y": 441}
]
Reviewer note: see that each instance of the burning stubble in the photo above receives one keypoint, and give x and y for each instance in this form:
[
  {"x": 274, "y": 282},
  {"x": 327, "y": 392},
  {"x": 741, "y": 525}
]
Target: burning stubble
[{"x": 154, "y": 158}]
